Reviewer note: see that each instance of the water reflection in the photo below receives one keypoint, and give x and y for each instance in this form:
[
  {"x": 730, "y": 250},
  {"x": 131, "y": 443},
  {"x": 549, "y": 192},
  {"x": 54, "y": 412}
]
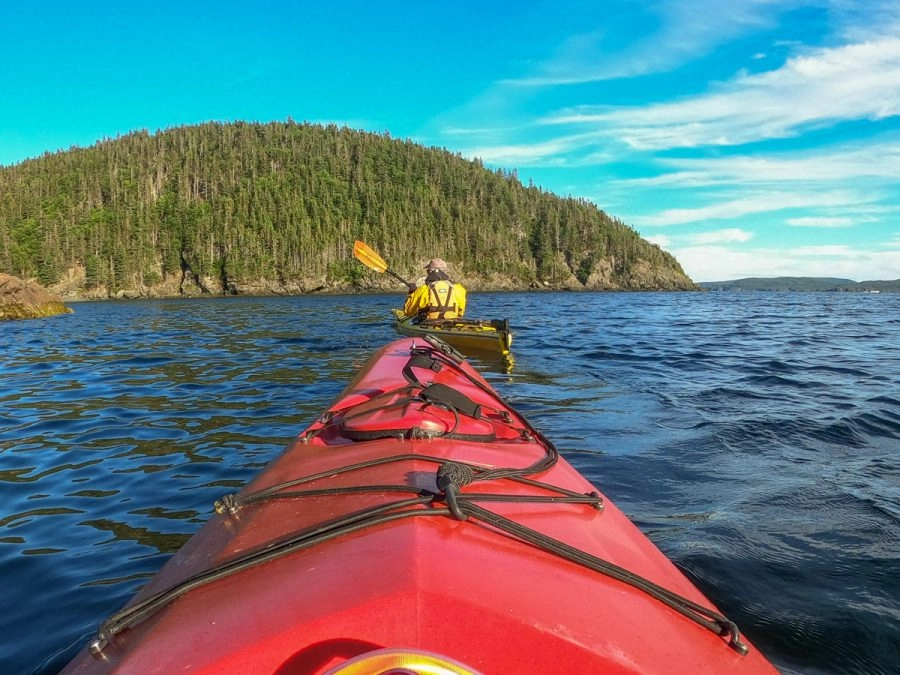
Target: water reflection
[{"x": 160, "y": 542}]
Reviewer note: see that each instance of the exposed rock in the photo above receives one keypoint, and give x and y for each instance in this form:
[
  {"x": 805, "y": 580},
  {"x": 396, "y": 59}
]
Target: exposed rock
[
  {"x": 640, "y": 276},
  {"x": 27, "y": 300},
  {"x": 645, "y": 277},
  {"x": 601, "y": 277}
]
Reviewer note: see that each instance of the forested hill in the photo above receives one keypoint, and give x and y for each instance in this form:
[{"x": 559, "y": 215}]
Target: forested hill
[{"x": 256, "y": 208}]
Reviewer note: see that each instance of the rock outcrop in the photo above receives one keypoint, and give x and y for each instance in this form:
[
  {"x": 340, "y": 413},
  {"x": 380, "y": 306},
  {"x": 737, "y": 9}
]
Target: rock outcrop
[
  {"x": 27, "y": 300},
  {"x": 640, "y": 275}
]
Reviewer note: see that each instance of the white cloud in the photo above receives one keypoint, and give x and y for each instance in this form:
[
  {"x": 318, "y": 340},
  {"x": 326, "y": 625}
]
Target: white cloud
[
  {"x": 833, "y": 251},
  {"x": 660, "y": 240},
  {"x": 816, "y": 88},
  {"x": 830, "y": 185},
  {"x": 819, "y": 221},
  {"x": 670, "y": 33},
  {"x": 754, "y": 203},
  {"x": 720, "y": 236},
  {"x": 876, "y": 159},
  {"x": 825, "y": 86},
  {"x": 550, "y": 153},
  {"x": 720, "y": 263},
  {"x": 840, "y": 187}
]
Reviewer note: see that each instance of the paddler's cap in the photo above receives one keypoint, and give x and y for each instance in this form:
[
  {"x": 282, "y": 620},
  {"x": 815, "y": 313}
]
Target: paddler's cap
[{"x": 436, "y": 265}]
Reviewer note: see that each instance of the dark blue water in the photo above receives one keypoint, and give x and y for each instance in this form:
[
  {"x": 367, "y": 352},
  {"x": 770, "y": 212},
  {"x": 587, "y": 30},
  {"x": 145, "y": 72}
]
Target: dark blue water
[{"x": 754, "y": 437}]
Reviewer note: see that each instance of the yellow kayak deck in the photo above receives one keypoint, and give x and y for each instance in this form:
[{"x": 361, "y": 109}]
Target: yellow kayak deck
[{"x": 465, "y": 334}]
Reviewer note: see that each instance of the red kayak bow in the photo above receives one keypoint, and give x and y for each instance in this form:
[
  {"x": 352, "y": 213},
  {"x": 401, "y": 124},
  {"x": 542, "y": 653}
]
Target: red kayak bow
[{"x": 419, "y": 525}]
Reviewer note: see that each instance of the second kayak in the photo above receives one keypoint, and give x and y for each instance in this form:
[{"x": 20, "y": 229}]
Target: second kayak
[{"x": 493, "y": 336}]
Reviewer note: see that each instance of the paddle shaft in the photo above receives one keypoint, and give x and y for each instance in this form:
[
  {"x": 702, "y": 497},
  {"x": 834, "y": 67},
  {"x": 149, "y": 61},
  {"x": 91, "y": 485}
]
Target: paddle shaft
[{"x": 399, "y": 278}]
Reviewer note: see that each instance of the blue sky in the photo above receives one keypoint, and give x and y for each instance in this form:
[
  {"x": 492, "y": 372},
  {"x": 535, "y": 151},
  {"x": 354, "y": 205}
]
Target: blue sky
[{"x": 746, "y": 137}]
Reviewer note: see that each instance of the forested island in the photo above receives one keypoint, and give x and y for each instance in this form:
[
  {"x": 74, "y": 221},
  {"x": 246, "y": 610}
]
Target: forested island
[
  {"x": 274, "y": 208},
  {"x": 805, "y": 284}
]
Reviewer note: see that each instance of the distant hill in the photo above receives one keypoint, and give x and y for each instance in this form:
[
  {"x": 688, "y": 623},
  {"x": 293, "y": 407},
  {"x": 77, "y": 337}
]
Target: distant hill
[
  {"x": 275, "y": 208},
  {"x": 802, "y": 284}
]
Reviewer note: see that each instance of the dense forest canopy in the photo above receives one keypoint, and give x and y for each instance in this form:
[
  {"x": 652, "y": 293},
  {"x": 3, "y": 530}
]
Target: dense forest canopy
[{"x": 282, "y": 202}]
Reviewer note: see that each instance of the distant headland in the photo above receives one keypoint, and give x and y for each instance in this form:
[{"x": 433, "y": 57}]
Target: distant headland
[{"x": 829, "y": 284}]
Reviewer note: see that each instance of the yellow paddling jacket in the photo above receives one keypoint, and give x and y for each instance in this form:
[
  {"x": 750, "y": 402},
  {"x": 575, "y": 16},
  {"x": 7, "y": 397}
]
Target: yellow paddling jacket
[{"x": 437, "y": 300}]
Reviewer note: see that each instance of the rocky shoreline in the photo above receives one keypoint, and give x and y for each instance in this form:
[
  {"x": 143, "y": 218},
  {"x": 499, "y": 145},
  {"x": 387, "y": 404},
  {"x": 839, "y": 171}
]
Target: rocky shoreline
[
  {"x": 27, "y": 299},
  {"x": 72, "y": 287}
]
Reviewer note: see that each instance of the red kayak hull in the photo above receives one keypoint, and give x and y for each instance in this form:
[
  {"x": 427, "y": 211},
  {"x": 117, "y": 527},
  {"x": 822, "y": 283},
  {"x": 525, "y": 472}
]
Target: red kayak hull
[{"x": 422, "y": 579}]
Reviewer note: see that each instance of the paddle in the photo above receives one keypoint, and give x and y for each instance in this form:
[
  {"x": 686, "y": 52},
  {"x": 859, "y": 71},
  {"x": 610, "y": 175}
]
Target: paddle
[{"x": 372, "y": 260}]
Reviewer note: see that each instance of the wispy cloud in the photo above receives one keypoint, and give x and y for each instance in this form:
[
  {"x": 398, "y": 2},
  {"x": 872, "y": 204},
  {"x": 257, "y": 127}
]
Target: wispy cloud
[
  {"x": 661, "y": 240},
  {"x": 825, "y": 86},
  {"x": 720, "y": 236},
  {"x": 839, "y": 187},
  {"x": 806, "y": 137},
  {"x": 671, "y": 33},
  {"x": 751, "y": 204},
  {"x": 821, "y": 88},
  {"x": 819, "y": 221},
  {"x": 875, "y": 158},
  {"x": 834, "y": 250},
  {"x": 549, "y": 153}
]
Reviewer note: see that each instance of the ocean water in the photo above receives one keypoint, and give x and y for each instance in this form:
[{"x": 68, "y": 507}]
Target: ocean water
[{"x": 754, "y": 437}]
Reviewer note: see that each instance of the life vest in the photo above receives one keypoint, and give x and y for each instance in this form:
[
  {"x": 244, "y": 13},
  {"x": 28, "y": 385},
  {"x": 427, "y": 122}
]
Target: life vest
[{"x": 442, "y": 302}]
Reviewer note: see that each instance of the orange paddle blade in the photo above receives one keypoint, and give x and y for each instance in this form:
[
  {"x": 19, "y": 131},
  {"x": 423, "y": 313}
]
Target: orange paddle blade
[{"x": 368, "y": 257}]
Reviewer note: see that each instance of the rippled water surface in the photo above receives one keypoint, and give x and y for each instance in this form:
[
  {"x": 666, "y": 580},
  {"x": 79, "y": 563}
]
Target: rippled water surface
[{"x": 754, "y": 437}]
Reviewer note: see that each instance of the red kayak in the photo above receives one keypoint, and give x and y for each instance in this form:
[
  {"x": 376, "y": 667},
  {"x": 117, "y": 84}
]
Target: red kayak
[{"x": 420, "y": 525}]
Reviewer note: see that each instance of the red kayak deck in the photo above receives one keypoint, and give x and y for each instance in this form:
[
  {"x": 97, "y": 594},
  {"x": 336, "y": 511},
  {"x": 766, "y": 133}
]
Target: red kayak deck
[{"x": 420, "y": 512}]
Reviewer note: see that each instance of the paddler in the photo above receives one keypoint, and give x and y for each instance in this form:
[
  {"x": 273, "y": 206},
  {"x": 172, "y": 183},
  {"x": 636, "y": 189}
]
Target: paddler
[{"x": 438, "y": 297}]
